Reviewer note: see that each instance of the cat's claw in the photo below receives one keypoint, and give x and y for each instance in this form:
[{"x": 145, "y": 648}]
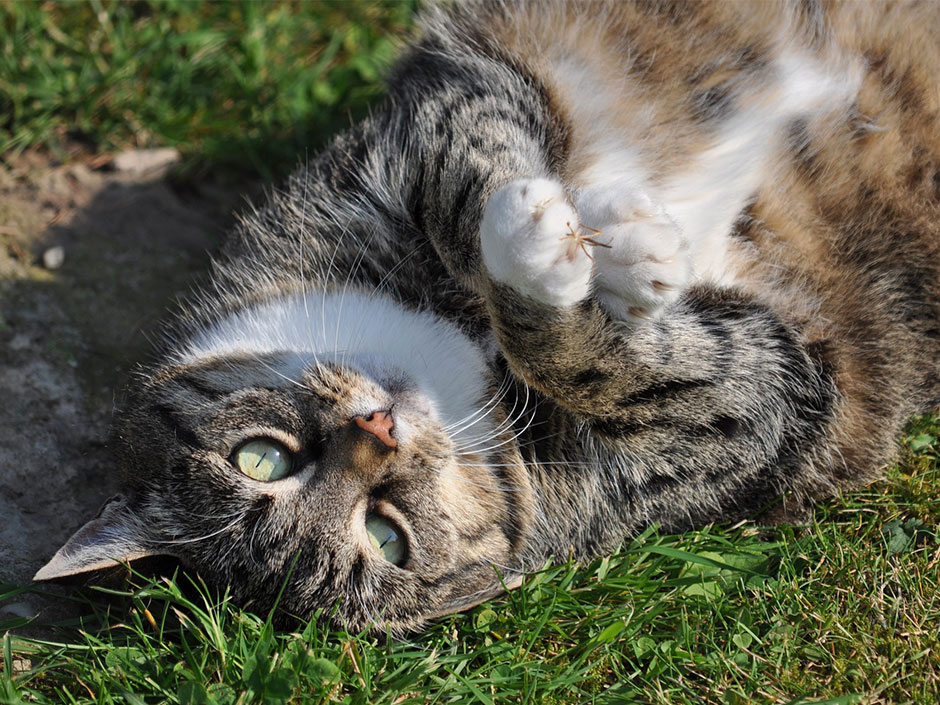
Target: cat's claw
[
  {"x": 531, "y": 240},
  {"x": 645, "y": 264}
]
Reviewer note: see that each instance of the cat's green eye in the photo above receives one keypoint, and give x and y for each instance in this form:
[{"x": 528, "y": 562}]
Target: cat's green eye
[
  {"x": 264, "y": 460},
  {"x": 386, "y": 538}
]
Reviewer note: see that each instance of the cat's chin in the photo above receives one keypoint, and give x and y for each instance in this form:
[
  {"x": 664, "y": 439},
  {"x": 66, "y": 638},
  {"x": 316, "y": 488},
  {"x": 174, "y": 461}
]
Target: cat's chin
[
  {"x": 406, "y": 392},
  {"x": 428, "y": 361}
]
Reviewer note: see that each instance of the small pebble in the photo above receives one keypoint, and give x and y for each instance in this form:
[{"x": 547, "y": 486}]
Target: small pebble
[
  {"x": 19, "y": 609},
  {"x": 20, "y": 341},
  {"x": 140, "y": 161},
  {"x": 53, "y": 257}
]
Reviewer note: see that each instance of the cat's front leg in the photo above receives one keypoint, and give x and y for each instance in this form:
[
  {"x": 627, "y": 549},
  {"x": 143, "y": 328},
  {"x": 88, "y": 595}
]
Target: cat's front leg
[
  {"x": 702, "y": 358},
  {"x": 529, "y": 240},
  {"x": 713, "y": 395},
  {"x": 571, "y": 304},
  {"x": 618, "y": 244}
]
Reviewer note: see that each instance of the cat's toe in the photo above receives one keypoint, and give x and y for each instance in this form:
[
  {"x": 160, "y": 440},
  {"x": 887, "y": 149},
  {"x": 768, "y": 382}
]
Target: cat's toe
[
  {"x": 529, "y": 240},
  {"x": 643, "y": 263},
  {"x": 638, "y": 293}
]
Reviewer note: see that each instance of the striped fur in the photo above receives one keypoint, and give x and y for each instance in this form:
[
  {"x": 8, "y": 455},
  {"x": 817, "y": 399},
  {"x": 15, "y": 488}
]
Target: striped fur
[{"x": 779, "y": 345}]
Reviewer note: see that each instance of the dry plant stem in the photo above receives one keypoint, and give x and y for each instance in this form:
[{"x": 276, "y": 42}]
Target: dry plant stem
[{"x": 582, "y": 240}]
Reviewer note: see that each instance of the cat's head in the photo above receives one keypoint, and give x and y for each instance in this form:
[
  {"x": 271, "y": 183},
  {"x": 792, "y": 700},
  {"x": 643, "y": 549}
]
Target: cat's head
[{"x": 337, "y": 481}]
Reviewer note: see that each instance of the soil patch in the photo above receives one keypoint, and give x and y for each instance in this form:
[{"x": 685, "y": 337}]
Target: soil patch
[{"x": 132, "y": 242}]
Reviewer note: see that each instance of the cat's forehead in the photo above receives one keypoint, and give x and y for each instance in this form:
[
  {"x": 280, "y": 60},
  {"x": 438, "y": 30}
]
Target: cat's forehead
[
  {"x": 376, "y": 337},
  {"x": 222, "y": 394},
  {"x": 223, "y": 397}
]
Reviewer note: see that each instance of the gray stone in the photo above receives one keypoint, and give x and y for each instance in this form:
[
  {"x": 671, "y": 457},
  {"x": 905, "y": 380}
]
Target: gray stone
[{"x": 54, "y": 257}]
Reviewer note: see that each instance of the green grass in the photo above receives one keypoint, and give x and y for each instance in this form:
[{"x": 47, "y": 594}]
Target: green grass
[
  {"x": 846, "y": 610},
  {"x": 246, "y": 85},
  {"x": 843, "y": 611}
]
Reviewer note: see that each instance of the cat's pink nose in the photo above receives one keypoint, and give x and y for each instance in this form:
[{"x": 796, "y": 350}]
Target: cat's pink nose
[{"x": 380, "y": 425}]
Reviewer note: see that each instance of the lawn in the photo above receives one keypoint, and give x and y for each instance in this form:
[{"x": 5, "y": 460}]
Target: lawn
[
  {"x": 245, "y": 86},
  {"x": 845, "y": 610}
]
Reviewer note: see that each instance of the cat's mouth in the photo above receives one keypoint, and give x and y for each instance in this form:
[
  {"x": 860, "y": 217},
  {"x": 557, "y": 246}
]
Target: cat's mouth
[{"x": 419, "y": 395}]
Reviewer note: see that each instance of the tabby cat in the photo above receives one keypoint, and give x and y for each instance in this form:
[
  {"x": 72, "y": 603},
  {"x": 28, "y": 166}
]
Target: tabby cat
[{"x": 593, "y": 266}]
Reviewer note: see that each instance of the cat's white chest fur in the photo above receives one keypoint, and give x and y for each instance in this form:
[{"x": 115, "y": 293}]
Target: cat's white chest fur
[
  {"x": 704, "y": 197},
  {"x": 372, "y": 334},
  {"x": 634, "y": 242}
]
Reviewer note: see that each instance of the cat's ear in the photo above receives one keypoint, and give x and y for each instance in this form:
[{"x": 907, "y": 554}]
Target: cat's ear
[{"x": 116, "y": 535}]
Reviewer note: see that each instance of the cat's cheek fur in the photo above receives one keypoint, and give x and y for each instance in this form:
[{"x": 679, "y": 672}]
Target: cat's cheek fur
[{"x": 528, "y": 240}]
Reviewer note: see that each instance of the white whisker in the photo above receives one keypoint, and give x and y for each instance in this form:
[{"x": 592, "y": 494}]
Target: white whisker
[
  {"x": 353, "y": 271},
  {"x": 388, "y": 275},
  {"x": 178, "y": 542},
  {"x": 329, "y": 274},
  {"x": 507, "y": 422},
  {"x": 280, "y": 374},
  {"x": 525, "y": 409},
  {"x": 468, "y": 421}
]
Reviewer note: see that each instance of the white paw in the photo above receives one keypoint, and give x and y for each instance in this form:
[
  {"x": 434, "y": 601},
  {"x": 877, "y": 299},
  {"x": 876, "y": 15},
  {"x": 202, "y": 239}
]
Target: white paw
[
  {"x": 527, "y": 237},
  {"x": 644, "y": 263}
]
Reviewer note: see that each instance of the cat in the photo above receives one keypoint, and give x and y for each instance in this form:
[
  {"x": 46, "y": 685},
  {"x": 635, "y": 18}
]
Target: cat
[{"x": 592, "y": 267}]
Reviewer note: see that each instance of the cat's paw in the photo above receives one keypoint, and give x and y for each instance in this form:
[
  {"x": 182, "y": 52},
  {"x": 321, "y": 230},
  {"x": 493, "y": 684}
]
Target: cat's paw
[
  {"x": 642, "y": 262},
  {"x": 528, "y": 239}
]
